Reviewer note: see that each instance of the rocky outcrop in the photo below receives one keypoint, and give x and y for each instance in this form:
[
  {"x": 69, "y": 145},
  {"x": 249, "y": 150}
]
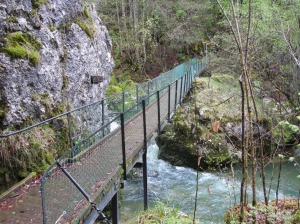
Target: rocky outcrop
[
  {"x": 208, "y": 124},
  {"x": 66, "y": 44}
]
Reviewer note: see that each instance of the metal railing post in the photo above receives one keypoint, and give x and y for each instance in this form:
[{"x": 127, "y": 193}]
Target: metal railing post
[
  {"x": 123, "y": 101},
  {"x": 184, "y": 85},
  {"x": 123, "y": 145},
  {"x": 70, "y": 130},
  {"x": 102, "y": 117},
  {"x": 188, "y": 80},
  {"x": 137, "y": 97},
  {"x": 191, "y": 76},
  {"x": 176, "y": 90},
  {"x": 145, "y": 175},
  {"x": 148, "y": 98},
  {"x": 169, "y": 102},
  {"x": 158, "y": 111},
  {"x": 180, "y": 89}
]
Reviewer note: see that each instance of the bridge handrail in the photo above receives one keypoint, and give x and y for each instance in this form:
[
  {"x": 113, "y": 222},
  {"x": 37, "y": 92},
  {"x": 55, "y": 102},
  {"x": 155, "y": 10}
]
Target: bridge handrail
[
  {"x": 112, "y": 143},
  {"x": 109, "y": 106}
]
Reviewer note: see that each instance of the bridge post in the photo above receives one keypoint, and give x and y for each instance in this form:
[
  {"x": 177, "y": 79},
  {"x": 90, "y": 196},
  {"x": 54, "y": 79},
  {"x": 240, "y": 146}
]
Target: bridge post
[
  {"x": 180, "y": 89},
  {"x": 169, "y": 101},
  {"x": 184, "y": 85},
  {"x": 137, "y": 97},
  {"x": 115, "y": 209},
  {"x": 191, "y": 76},
  {"x": 176, "y": 89},
  {"x": 123, "y": 101},
  {"x": 148, "y": 92},
  {"x": 123, "y": 145},
  {"x": 188, "y": 80},
  {"x": 145, "y": 175},
  {"x": 70, "y": 131},
  {"x": 102, "y": 115},
  {"x": 158, "y": 111}
]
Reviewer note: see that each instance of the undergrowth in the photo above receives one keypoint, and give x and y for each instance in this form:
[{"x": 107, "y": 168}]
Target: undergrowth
[
  {"x": 287, "y": 211},
  {"x": 163, "y": 215}
]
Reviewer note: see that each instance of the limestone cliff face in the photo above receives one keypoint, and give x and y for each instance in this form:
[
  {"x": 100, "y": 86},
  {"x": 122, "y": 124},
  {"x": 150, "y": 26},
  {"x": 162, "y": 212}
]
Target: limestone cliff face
[{"x": 73, "y": 46}]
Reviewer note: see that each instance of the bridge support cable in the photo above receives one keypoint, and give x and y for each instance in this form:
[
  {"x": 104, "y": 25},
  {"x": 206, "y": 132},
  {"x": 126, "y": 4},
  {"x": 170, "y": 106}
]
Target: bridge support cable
[
  {"x": 94, "y": 206},
  {"x": 145, "y": 175}
]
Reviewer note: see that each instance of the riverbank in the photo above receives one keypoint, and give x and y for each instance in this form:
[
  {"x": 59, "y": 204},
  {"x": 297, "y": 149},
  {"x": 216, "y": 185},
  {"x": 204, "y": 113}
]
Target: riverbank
[{"x": 175, "y": 187}]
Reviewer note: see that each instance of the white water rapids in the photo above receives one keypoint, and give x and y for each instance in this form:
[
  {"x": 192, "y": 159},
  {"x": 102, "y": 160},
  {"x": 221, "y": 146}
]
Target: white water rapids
[{"x": 176, "y": 186}]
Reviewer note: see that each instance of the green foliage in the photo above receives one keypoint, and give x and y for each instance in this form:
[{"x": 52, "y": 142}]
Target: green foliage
[
  {"x": 284, "y": 212},
  {"x": 16, "y": 52},
  {"x": 180, "y": 15},
  {"x": 87, "y": 26},
  {"x": 12, "y": 19},
  {"x": 52, "y": 28},
  {"x": 86, "y": 12},
  {"x": 293, "y": 128},
  {"x": 34, "y": 150},
  {"x": 22, "y": 45},
  {"x": 34, "y": 57},
  {"x": 117, "y": 85},
  {"x": 163, "y": 214},
  {"x": 296, "y": 217},
  {"x": 112, "y": 90},
  {"x": 37, "y": 3}
]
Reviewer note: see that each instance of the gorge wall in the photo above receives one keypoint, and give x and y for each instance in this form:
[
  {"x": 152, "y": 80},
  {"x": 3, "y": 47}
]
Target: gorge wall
[{"x": 49, "y": 53}]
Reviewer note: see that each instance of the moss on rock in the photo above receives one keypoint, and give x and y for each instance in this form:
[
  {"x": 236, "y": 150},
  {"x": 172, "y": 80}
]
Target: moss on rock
[{"x": 190, "y": 132}]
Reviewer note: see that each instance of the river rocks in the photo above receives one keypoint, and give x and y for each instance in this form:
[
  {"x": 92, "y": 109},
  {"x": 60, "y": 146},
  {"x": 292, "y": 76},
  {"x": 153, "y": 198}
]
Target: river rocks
[{"x": 68, "y": 44}]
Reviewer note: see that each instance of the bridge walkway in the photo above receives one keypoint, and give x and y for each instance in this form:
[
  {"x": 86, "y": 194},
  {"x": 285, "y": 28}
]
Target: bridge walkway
[{"x": 97, "y": 161}]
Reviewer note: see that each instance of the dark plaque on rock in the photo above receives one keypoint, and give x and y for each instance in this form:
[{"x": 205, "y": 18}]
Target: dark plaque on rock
[{"x": 96, "y": 79}]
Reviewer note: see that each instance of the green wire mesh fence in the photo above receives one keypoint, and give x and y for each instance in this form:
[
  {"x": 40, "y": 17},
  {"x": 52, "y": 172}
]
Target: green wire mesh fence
[{"x": 105, "y": 139}]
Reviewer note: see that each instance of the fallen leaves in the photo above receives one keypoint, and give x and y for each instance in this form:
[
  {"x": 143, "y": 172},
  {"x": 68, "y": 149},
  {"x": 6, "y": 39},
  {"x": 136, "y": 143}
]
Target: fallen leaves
[{"x": 216, "y": 126}]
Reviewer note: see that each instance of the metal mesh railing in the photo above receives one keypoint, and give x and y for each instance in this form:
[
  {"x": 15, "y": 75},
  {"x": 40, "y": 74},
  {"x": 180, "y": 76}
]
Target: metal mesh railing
[{"x": 103, "y": 140}]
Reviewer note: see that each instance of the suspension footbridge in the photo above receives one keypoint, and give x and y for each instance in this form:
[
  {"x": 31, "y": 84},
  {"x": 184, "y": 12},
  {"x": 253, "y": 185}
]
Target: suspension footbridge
[{"x": 107, "y": 139}]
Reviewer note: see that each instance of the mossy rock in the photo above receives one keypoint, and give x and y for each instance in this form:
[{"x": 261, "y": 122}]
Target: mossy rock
[
  {"x": 22, "y": 45},
  {"x": 181, "y": 148}
]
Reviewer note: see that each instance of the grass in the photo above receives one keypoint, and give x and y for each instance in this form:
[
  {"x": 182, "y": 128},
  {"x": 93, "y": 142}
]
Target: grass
[
  {"x": 37, "y": 3},
  {"x": 162, "y": 214}
]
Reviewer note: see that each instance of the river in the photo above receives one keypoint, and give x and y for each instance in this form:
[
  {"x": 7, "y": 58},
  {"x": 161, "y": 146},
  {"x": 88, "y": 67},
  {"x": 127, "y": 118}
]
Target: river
[{"x": 176, "y": 187}]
